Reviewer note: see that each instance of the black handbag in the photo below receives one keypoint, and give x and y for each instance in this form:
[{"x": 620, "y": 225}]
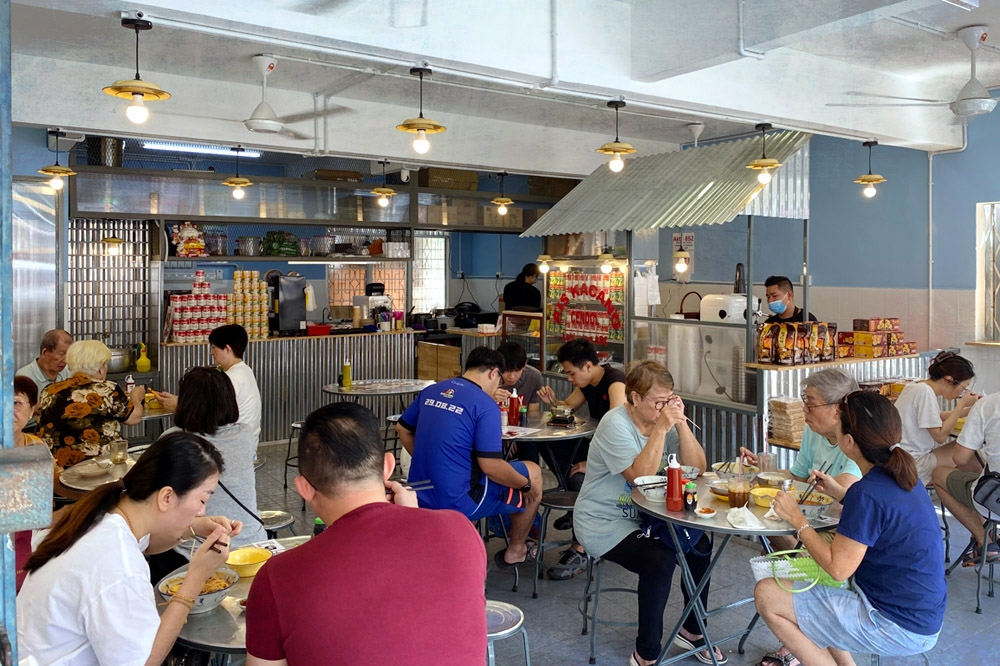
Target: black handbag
[
  {"x": 986, "y": 494},
  {"x": 656, "y": 528}
]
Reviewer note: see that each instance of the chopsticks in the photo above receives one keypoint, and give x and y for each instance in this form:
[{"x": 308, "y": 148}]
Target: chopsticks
[
  {"x": 201, "y": 539},
  {"x": 693, "y": 424},
  {"x": 417, "y": 486},
  {"x": 812, "y": 486}
]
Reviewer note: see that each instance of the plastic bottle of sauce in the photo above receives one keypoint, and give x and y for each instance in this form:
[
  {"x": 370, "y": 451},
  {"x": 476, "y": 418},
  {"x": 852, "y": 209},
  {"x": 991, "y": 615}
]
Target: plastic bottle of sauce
[
  {"x": 690, "y": 496},
  {"x": 345, "y": 370},
  {"x": 318, "y": 527},
  {"x": 675, "y": 492},
  {"x": 522, "y": 413},
  {"x": 503, "y": 418},
  {"x": 513, "y": 407}
]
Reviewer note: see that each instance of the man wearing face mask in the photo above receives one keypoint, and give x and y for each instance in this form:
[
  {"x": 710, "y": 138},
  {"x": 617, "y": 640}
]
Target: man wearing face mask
[{"x": 781, "y": 301}]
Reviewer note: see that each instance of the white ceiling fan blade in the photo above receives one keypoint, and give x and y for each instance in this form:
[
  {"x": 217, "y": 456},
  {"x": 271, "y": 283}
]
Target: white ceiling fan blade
[
  {"x": 309, "y": 115},
  {"x": 295, "y": 135},
  {"x": 889, "y": 104},
  {"x": 905, "y": 99}
]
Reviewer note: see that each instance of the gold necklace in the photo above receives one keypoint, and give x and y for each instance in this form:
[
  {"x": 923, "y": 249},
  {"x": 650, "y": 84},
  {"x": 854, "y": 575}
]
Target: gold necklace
[{"x": 125, "y": 516}]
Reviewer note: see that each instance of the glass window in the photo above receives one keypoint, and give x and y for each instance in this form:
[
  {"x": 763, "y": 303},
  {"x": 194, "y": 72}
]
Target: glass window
[{"x": 430, "y": 283}]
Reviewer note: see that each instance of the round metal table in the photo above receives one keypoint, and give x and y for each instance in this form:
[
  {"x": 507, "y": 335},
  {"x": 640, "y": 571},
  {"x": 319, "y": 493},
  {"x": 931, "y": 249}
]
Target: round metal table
[
  {"x": 223, "y": 629},
  {"x": 548, "y": 433},
  {"x": 378, "y": 387},
  {"x": 73, "y": 486},
  {"x": 719, "y": 525}
]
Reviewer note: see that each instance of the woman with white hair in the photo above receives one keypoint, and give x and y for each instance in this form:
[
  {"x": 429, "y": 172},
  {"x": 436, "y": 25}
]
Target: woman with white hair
[{"x": 80, "y": 416}]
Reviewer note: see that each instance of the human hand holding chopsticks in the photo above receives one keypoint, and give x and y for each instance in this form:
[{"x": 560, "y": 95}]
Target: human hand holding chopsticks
[
  {"x": 205, "y": 525},
  {"x": 399, "y": 494},
  {"x": 827, "y": 484},
  {"x": 210, "y": 555}
]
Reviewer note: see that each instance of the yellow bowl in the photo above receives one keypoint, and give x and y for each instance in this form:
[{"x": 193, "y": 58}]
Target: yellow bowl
[
  {"x": 762, "y": 496},
  {"x": 248, "y": 561}
]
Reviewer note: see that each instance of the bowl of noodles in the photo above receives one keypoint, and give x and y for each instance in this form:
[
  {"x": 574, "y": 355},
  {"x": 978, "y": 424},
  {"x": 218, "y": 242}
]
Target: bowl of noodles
[{"x": 212, "y": 593}]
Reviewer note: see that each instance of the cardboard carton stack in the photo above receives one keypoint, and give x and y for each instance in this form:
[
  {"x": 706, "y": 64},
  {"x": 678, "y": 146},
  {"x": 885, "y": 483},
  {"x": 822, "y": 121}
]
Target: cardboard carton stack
[
  {"x": 787, "y": 419},
  {"x": 878, "y": 337}
]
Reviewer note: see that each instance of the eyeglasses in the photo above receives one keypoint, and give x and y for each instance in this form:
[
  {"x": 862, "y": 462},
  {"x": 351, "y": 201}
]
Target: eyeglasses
[
  {"x": 660, "y": 404},
  {"x": 815, "y": 405},
  {"x": 22, "y": 403}
]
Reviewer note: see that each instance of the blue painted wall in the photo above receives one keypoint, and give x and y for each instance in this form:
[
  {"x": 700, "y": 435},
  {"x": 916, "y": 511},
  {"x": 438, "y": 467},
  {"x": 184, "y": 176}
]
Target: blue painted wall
[{"x": 482, "y": 255}]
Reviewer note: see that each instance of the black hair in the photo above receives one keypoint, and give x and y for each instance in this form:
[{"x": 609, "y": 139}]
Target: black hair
[
  {"x": 779, "y": 281},
  {"x": 876, "y": 427},
  {"x": 230, "y": 335},
  {"x": 206, "y": 400},
  {"x": 484, "y": 358},
  {"x": 578, "y": 351},
  {"x": 527, "y": 271},
  {"x": 28, "y": 387},
  {"x": 179, "y": 460},
  {"x": 514, "y": 356},
  {"x": 950, "y": 364},
  {"x": 340, "y": 443}
]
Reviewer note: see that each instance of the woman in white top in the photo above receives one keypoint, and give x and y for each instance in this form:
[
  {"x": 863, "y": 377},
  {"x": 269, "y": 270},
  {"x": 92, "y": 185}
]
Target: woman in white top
[
  {"x": 925, "y": 427},
  {"x": 87, "y": 599}
]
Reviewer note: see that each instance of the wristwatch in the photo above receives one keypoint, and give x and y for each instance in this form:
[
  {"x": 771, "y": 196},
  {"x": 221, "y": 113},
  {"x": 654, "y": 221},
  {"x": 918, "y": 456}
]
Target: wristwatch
[{"x": 526, "y": 487}]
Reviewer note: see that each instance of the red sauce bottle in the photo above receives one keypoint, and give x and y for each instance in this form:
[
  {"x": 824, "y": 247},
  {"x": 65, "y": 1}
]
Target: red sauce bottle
[{"x": 675, "y": 489}]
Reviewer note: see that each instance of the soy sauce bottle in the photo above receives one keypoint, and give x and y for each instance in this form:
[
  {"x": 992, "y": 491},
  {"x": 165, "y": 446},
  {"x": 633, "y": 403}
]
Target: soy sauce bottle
[
  {"x": 318, "y": 527},
  {"x": 690, "y": 496}
]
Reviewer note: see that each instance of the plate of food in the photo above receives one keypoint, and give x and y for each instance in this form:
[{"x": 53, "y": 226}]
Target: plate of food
[{"x": 720, "y": 488}]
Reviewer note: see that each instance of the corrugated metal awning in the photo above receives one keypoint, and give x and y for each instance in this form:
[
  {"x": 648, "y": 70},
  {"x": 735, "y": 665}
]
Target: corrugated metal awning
[{"x": 698, "y": 186}]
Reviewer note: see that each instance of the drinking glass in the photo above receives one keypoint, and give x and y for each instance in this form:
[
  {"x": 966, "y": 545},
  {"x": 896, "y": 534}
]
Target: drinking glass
[
  {"x": 768, "y": 462},
  {"x": 118, "y": 451},
  {"x": 739, "y": 491}
]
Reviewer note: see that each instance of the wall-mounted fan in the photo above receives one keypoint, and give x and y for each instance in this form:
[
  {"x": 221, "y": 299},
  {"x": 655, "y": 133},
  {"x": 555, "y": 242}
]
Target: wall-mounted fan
[{"x": 973, "y": 100}]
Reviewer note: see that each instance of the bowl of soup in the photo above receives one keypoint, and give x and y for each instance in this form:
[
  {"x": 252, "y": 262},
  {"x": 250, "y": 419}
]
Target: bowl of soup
[
  {"x": 816, "y": 504},
  {"x": 213, "y": 591}
]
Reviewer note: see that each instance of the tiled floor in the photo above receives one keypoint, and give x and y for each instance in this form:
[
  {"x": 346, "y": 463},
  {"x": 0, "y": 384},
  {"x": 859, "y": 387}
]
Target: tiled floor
[{"x": 554, "y": 622}]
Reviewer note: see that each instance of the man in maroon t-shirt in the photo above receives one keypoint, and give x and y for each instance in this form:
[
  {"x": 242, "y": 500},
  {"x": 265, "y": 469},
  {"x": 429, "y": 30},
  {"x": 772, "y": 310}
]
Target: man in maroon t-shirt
[{"x": 384, "y": 578}]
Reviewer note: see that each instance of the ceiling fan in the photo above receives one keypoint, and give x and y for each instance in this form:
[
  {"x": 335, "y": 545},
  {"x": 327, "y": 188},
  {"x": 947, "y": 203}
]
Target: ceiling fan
[
  {"x": 264, "y": 119},
  {"x": 973, "y": 100}
]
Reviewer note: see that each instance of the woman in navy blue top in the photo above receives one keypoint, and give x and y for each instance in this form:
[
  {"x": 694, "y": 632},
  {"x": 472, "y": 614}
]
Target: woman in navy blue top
[{"x": 888, "y": 544}]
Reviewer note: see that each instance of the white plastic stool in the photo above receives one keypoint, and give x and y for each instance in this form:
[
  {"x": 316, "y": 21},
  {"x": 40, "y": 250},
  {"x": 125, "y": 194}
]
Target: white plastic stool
[{"x": 503, "y": 621}]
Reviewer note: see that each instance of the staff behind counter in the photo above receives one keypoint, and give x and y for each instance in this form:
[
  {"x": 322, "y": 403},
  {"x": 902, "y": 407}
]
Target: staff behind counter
[
  {"x": 781, "y": 301},
  {"x": 521, "y": 294}
]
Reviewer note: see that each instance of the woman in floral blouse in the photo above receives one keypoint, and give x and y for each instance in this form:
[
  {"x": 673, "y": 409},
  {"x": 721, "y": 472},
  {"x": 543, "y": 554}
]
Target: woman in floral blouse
[{"x": 80, "y": 416}]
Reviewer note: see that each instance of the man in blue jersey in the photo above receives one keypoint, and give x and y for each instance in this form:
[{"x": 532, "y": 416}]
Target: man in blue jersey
[{"x": 452, "y": 431}]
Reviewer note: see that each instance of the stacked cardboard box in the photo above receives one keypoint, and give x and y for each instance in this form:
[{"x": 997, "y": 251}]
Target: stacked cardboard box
[
  {"x": 787, "y": 419},
  {"x": 878, "y": 337}
]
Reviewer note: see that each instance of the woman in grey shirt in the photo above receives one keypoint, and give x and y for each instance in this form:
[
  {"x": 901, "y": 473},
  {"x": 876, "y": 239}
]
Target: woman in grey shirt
[{"x": 634, "y": 440}]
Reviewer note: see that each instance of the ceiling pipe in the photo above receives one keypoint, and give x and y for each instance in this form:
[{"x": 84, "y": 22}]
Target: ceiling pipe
[
  {"x": 553, "y": 47},
  {"x": 740, "y": 48}
]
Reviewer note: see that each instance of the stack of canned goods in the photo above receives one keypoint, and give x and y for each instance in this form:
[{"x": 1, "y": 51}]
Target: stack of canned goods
[
  {"x": 248, "y": 304},
  {"x": 194, "y": 315}
]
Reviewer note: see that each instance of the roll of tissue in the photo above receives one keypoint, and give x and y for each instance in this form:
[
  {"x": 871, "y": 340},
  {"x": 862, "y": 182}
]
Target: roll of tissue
[{"x": 684, "y": 356}]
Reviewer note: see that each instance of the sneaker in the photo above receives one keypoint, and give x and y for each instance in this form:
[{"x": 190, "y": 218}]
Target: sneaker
[
  {"x": 564, "y": 522},
  {"x": 570, "y": 564}
]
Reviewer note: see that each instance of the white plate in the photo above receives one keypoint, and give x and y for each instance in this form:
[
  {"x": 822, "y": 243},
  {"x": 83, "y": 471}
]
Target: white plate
[
  {"x": 80, "y": 482},
  {"x": 91, "y": 468}
]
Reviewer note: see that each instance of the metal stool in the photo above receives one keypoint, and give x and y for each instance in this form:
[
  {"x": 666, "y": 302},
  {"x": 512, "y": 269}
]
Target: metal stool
[
  {"x": 944, "y": 522},
  {"x": 594, "y": 591},
  {"x": 877, "y": 659},
  {"x": 277, "y": 520},
  {"x": 981, "y": 567},
  {"x": 558, "y": 499},
  {"x": 503, "y": 621},
  {"x": 389, "y": 435},
  {"x": 297, "y": 425}
]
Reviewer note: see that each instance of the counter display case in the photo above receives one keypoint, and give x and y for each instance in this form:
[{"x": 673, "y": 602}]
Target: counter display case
[{"x": 586, "y": 303}]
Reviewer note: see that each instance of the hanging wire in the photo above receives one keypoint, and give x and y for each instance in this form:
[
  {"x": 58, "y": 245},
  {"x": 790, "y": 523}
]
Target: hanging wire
[{"x": 137, "y": 77}]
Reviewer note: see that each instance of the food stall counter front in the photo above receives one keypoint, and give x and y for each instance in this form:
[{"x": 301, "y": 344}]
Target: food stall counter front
[{"x": 291, "y": 371}]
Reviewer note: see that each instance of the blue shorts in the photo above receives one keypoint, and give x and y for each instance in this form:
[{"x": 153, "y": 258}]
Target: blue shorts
[
  {"x": 499, "y": 499},
  {"x": 844, "y": 619}
]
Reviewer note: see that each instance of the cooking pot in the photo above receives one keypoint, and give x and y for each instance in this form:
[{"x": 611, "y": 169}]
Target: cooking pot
[{"x": 121, "y": 360}]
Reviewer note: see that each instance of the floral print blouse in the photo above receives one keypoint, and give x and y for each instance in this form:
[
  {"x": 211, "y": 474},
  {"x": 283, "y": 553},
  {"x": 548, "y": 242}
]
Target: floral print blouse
[{"x": 80, "y": 416}]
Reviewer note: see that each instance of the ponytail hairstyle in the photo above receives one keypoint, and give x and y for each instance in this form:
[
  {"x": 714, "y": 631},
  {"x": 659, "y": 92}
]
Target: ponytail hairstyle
[
  {"x": 179, "y": 460},
  {"x": 877, "y": 428},
  {"x": 950, "y": 364}
]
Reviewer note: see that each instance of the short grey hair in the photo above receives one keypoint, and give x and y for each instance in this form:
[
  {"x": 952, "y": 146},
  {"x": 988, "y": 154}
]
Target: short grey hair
[
  {"x": 832, "y": 384},
  {"x": 52, "y": 338},
  {"x": 87, "y": 356}
]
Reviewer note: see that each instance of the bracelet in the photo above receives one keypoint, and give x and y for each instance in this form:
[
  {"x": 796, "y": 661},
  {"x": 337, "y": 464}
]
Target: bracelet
[
  {"x": 798, "y": 532},
  {"x": 183, "y": 602},
  {"x": 177, "y": 596}
]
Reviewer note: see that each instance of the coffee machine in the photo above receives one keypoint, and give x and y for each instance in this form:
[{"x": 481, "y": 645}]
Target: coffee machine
[
  {"x": 374, "y": 300},
  {"x": 288, "y": 305}
]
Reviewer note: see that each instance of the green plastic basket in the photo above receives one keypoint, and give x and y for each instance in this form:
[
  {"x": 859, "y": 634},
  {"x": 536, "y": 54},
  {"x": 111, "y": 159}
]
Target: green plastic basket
[{"x": 794, "y": 565}]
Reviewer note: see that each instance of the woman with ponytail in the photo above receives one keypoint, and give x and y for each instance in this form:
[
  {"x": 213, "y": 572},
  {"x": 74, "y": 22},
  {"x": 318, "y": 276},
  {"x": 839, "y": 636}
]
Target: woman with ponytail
[
  {"x": 87, "y": 598},
  {"x": 925, "y": 427},
  {"x": 888, "y": 544}
]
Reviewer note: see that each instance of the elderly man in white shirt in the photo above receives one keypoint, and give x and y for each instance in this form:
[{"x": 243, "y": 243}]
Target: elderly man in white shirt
[{"x": 50, "y": 366}]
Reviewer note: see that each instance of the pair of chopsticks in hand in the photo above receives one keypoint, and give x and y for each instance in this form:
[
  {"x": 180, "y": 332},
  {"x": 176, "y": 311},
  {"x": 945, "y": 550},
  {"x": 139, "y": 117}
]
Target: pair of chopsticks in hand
[
  {"x": 417, "y": 486},
  {"x": 825, "y": 467},
  {"x": 201, "y": 539}
]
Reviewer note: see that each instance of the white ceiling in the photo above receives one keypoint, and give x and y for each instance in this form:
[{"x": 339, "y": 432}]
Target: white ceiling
[{"x": 521, "y": 85}]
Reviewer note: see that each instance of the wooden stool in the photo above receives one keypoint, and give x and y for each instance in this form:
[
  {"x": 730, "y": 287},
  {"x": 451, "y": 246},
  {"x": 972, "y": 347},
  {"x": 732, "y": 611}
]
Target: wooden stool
[{"x": 503, "y": 621}]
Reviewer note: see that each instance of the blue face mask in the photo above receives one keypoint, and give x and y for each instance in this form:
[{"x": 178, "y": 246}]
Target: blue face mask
[{"x": 777, "y": 307}]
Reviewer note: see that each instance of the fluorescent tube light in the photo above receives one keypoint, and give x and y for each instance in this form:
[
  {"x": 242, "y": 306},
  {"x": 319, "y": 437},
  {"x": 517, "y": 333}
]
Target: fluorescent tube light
[
  {"x": 198, "y": 149},
  {"x": 967, "y": 5}
]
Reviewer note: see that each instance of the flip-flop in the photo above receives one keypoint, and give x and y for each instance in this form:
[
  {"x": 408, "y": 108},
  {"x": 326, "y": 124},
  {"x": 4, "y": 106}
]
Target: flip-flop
[
  {"x": 698, "y": 644},
  {"x": 529, "y": 558},
  {"x": 775, "y": 659},
  {"x": 973, "y": 558}
]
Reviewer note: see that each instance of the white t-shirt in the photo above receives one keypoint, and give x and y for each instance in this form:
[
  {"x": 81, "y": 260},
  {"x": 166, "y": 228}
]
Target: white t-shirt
[
  {"x": 91, "y": 605},
  {"x": 919, "y": 409},
  {"x": 982, "y": 430},
  {"x": 247, "y": 396}
]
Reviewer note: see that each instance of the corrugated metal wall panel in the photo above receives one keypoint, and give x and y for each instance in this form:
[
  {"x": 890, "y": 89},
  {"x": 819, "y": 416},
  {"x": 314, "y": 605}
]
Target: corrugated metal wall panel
[
  {"x": 706, "y": 185},
  {"x": 787, "y": 195},
  {"x": 291, "y": 372}
]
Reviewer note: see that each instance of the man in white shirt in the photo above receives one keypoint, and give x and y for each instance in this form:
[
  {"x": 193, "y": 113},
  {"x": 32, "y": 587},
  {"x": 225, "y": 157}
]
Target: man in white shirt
[
  {"x": 50, "y": 366},
  {"x": 227, "y": 346},
  {"x": 955, "y": 486}
]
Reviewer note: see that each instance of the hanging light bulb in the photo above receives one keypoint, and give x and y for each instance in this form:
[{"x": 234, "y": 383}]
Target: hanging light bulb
[
  {"x": 113, "y": 246},
  {"x": 616, "y": 148},
  {"x": 421, "y": 126},
  {"x": 56, "y": 171},
  {"x": 383, "y": 193},
  {"x": 137, "y": 90},
  {"x": 564, "y": 268},
  {"x": 501, "y": 202},
  {"x": 682, "y": 259},
  {"x": 869, "y": 180},
  {"x": 543, "y": 263},
  {"x": 606, "y": 260},
  {"x": 237, "y": 182},
  {"x": 764, "y": 164},
  {"x": 137, "y": 111}
]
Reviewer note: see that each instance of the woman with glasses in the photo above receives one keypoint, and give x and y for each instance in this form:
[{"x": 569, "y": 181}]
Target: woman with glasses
[
  {"x": 925, "y": 427},
  {"x": 634, "y": 440},
  {"x": 822, "y": 393},
  {"x": 888, "y": 544}
]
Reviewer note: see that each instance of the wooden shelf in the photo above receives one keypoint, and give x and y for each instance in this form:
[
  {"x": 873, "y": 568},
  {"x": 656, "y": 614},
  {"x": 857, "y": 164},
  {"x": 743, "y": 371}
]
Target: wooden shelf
[
  {"x": 824, "y": 364},
  {"x": 784, "y": 443}
]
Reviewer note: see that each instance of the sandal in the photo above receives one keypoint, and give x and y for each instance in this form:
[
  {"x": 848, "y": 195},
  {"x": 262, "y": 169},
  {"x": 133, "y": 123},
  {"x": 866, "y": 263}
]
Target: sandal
[
  {"x": 528, "y": 559},
  {"x": 775, "y": 659},
  {"x": 975, "y": 556},
  {"x": 686, "y": 644}
]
